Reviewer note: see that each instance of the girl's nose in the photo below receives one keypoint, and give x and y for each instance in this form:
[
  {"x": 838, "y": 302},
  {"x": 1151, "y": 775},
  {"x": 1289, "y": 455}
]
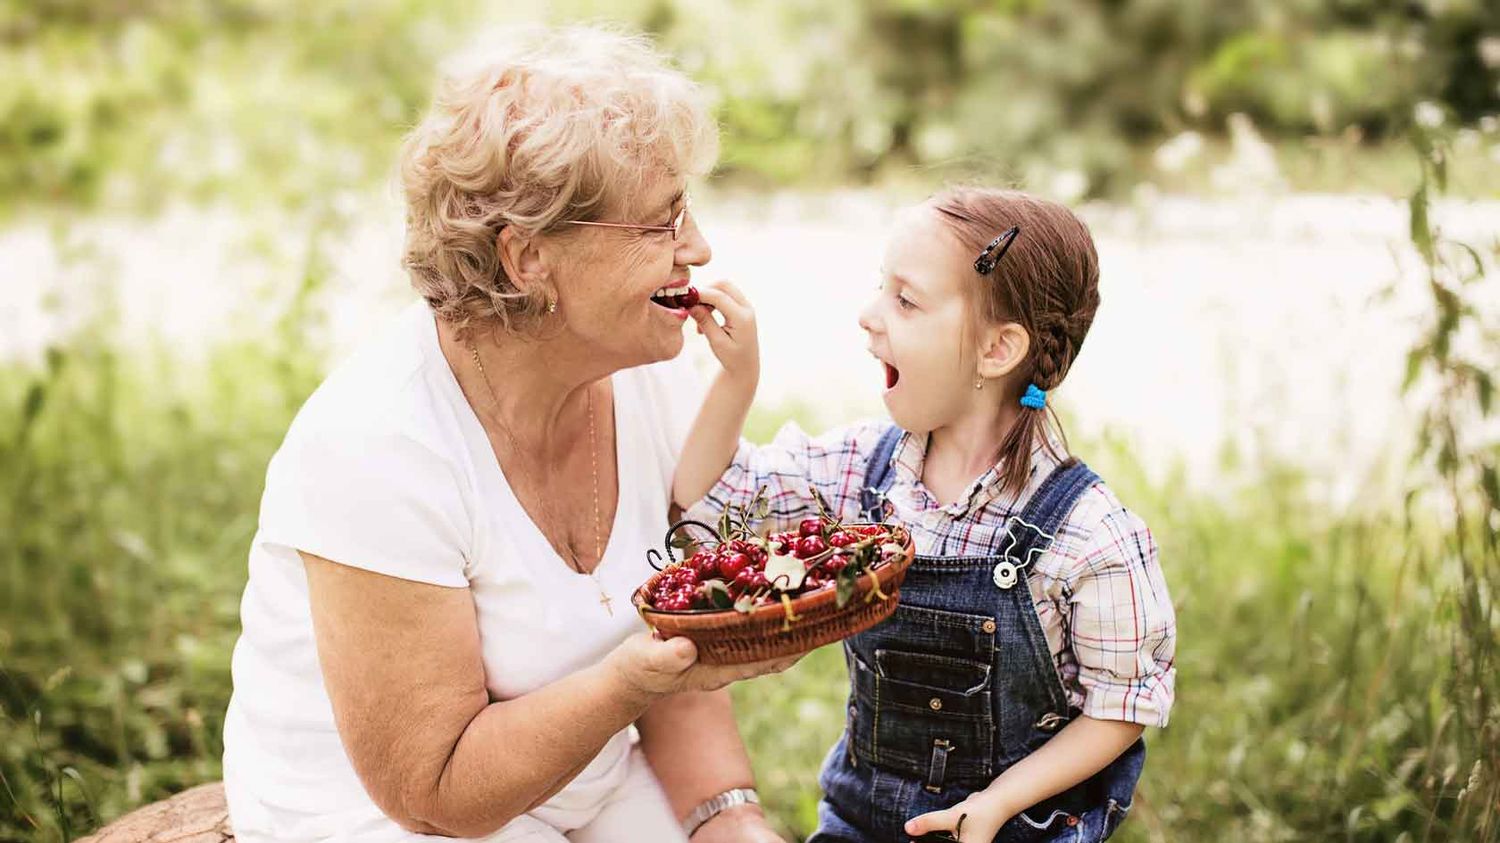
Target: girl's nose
[{"x": 867, "y": 317}]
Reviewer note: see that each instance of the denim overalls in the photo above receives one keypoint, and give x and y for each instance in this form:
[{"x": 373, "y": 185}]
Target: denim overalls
[{"x": 958, "y": 685}]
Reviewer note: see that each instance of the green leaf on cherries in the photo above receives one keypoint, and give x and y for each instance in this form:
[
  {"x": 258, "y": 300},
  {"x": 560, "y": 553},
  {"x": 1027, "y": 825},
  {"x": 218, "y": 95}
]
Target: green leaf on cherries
[
  {"x": 717, "y": 593},
  {"x": 785, "y": 572},
  {"x": 844, "y": 585}
]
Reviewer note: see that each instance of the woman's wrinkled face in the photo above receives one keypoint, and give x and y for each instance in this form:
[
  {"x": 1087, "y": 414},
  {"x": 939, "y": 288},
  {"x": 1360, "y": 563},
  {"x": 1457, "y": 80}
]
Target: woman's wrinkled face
[
  {"x": 606, "y": 282},
  {"x": 918, "y": 324}
]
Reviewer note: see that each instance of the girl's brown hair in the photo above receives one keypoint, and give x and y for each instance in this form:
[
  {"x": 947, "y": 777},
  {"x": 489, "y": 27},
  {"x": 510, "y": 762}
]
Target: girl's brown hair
[{"x": 1047, "y": 282}]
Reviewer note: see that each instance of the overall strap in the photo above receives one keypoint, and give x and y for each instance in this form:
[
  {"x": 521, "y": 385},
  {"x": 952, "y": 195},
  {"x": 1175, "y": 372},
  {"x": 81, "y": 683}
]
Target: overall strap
[
  {"x": 879, "y": 476},
  {"x": 1048, "y": 508}
]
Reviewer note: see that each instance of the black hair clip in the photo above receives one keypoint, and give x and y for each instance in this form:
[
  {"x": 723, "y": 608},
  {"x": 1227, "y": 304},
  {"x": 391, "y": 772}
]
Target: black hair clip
[{"x": 985, "y": 263}]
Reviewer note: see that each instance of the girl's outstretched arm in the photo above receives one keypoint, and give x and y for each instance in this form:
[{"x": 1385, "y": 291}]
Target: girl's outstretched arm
[{"x": 715, "y": 434}]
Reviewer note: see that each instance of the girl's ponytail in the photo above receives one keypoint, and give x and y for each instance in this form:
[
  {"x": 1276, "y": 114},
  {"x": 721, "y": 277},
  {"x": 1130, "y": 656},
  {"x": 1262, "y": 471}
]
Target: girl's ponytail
[{"x": 1046, "y": 279}]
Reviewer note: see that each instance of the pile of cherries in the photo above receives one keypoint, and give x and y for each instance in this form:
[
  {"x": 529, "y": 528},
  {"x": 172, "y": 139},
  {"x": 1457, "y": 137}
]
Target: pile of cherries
[{"x": 733, "y": 572}]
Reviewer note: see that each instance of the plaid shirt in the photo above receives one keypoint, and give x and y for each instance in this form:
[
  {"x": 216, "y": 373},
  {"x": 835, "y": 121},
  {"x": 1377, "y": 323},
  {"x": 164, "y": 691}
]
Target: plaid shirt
[{"x": 1099, "y": 591}]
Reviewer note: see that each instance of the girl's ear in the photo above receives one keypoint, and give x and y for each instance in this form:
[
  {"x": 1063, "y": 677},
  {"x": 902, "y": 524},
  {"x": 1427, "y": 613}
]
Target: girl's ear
[
  {"x": 522, "y": 258},
  {"x": 1002, "y": 349}
]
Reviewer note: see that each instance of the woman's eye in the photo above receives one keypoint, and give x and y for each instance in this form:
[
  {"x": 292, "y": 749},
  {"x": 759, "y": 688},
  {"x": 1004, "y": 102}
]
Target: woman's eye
[{"x": 905, "y": 303}]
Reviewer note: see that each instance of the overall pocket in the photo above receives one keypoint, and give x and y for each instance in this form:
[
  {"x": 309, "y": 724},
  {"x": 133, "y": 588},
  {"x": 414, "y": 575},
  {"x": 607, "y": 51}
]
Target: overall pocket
[{"x": 925, "y": 716}]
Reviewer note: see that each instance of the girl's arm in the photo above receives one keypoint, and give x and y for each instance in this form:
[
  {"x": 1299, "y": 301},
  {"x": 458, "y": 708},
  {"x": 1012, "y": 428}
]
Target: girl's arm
[
  {"x": 1083, "y": 748},
  {"x": 719, "y": 469},
  {"x": 715, "y": 435},
  {"x": 1125, "y": 651}
]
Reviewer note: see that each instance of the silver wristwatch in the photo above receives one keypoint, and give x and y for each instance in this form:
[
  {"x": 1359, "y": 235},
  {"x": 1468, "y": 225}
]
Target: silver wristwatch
[{"x": 712, "y": 806}]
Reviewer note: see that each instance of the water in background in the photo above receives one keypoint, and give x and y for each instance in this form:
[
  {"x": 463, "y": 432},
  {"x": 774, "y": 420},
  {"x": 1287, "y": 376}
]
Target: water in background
[{"x": 1259, "y": 322}]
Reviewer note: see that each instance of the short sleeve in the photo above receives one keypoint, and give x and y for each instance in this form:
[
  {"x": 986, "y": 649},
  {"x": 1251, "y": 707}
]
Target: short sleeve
[
  {"x": 1124, "y": 630},
  {"x": 379, "y": 501}
]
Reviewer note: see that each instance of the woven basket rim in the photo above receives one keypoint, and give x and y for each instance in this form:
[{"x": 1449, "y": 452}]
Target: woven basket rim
[{"x": 706, "y": 620}]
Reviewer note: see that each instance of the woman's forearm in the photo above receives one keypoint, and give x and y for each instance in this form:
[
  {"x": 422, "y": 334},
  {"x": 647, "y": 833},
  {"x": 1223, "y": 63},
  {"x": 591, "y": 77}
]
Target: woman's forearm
[
  {"x": 693, "y": 745},
  {"x": 402, "y": 665},
  {"x": 516, "y": 754}
]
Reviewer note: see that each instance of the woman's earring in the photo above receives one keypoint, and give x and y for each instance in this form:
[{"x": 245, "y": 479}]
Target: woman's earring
[
  {"x": 551, "y": 306},
  {"x": 979, "y": 383}
]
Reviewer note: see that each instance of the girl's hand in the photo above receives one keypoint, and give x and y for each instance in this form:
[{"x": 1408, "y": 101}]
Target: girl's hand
[
  {"x": 735, "y": 342},
  {"x": 974, "y": 820}
]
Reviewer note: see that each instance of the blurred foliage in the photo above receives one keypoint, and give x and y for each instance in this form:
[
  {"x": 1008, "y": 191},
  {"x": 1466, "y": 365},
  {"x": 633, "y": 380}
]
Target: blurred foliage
[
  {"x": 138, "y": 101},
  {"x": 1339, "y": 666}
]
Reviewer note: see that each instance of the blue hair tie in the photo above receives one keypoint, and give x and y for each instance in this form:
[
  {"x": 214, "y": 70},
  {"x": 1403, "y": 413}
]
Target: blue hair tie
[{"x": 1034, "y": 398}]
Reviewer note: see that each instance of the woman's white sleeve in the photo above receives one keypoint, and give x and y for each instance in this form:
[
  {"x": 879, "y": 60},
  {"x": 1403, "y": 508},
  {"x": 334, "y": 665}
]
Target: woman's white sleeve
[{"x": 379, "y": 501}]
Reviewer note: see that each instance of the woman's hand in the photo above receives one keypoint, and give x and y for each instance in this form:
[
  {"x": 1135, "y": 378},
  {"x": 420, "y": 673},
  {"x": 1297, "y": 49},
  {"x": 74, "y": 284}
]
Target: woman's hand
[
  {"x": 650, "y": 667},
  {"x": 977, "y": 818},
  {"x": 735, "y": 342}
]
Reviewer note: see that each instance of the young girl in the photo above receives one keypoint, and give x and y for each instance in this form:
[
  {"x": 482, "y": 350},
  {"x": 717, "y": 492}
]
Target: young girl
[{"x": 1005, "y": 698}]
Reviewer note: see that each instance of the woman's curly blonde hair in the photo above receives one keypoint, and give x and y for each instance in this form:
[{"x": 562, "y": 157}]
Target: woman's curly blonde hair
[{"x": 557, "y": 124}]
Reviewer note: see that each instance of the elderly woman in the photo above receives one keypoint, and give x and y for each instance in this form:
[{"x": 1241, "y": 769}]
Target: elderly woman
[{"x": 438, "y": 638}]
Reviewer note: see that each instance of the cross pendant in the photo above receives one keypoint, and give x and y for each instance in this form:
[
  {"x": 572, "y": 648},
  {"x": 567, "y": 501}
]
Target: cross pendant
[{"x": 605, "y": 601}]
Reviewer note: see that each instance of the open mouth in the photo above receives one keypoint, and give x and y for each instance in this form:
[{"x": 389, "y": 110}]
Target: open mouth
[
  {"x": 679, "y": 297},
  {"x": 892, "y": 374}
]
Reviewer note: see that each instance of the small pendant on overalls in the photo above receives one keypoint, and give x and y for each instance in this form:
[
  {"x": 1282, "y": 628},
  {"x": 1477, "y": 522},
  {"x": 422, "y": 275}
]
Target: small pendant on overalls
[
  {"x": 1007, "y": 570},
  {"x": 1005, "y": 573}
]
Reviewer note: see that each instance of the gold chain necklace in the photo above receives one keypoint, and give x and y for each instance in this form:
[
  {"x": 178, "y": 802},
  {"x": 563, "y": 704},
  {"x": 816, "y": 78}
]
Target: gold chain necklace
[{"x": 604, "y": 599}]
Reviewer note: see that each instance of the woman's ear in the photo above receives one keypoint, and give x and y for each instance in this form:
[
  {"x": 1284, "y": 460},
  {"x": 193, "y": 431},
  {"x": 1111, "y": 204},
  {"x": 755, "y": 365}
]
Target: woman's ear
[
  {"x": 521, "y": 257},
  {"x": 1002, "y": 350}
]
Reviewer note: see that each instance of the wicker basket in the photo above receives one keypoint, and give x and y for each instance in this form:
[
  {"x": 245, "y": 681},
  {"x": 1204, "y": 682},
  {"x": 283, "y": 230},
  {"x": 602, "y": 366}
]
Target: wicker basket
[{"x": 726, "y": 636}]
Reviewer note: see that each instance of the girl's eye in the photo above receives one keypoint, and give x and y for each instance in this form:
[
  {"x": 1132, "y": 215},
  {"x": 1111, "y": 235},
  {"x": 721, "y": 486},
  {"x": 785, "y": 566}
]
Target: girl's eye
[{"x": 905, "y": 303}]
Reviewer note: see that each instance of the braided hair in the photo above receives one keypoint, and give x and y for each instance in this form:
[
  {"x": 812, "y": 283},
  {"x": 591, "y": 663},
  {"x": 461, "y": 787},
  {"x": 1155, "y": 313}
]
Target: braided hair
[{"x": 1047, "y": 282}]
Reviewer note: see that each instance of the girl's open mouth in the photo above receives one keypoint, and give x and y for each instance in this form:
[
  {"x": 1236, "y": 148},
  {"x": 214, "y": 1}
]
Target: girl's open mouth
[
  {"x": 891, "y": 376},
  {"x": 680, "y": 297}
]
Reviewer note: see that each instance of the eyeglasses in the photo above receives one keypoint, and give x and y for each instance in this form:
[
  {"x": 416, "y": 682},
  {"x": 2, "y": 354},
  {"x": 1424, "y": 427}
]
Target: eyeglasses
[{"x": 674, "y": 226}]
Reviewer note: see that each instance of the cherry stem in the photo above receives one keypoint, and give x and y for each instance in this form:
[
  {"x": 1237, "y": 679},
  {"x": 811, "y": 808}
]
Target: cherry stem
[{"x": 686, "y": 522}]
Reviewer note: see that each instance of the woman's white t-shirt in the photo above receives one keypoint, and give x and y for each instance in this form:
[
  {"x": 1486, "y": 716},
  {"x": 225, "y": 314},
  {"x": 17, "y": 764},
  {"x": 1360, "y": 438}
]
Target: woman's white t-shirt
[{"x": 387, "y": 468}]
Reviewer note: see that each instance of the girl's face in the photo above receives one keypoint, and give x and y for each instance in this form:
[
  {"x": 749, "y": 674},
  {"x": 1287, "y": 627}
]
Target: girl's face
[{"x": 920, "y": 328}]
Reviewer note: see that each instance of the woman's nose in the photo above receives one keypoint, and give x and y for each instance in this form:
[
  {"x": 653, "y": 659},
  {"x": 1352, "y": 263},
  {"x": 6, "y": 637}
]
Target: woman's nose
[{"x": 692, "y": 246}]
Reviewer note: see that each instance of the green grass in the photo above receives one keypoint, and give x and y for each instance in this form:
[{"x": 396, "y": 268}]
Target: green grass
[{"x": 1326, "y": 683}]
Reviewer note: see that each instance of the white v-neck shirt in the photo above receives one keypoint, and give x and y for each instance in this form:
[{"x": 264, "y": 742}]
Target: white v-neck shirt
[{"x": 387, "y": 468}]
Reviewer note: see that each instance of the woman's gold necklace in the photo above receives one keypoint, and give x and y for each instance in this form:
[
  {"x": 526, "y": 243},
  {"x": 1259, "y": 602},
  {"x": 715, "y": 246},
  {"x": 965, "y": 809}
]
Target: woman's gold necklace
[{"x": 604, "y": 599}]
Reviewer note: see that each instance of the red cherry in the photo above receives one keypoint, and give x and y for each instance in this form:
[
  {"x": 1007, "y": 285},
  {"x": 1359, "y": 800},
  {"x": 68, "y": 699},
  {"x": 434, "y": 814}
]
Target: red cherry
[
  {"x": 731, "y": 564},
  {"x": 810, "y": 527},
  {"x": 836, "y": 563},
  {"x": 810, "y": 546},
  {"x": 843, "y": 538},
  {"x": 687, "y": 299},
  {"x": 872, "y": 530},
  {"x": 746, "y": 579}
]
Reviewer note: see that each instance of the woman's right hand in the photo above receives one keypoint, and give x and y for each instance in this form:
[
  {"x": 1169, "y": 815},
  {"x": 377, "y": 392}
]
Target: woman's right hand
[{"x": 653, "y": 667}]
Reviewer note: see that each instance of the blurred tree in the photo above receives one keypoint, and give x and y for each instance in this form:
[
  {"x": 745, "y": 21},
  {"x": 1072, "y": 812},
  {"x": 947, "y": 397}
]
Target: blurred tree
[{"x": 271, "y": 99}]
